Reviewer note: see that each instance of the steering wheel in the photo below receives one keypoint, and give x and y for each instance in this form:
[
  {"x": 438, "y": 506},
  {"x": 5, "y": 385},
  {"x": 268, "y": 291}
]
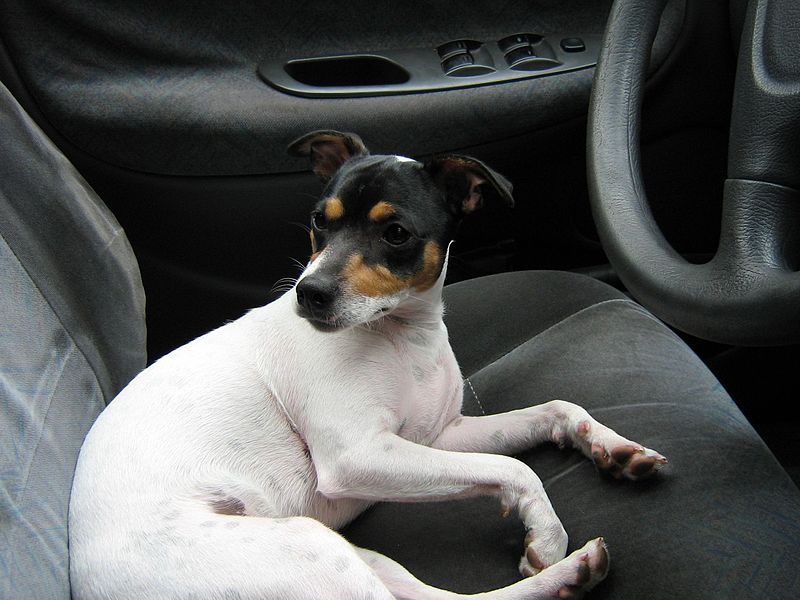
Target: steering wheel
[{"x": 749, "y": 293}]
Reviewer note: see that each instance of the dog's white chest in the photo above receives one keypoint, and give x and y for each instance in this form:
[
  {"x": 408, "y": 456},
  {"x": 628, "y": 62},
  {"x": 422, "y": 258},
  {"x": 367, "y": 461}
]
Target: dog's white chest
[
  {"x": 395, "y": 376},
  {"x": 432, "y": 394}
]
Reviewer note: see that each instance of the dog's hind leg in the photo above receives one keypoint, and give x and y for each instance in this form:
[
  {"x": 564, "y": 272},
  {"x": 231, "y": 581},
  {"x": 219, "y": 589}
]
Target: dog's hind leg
[
  {"x": 568, "y": 578},
  {"x": 207, "y": 555}
]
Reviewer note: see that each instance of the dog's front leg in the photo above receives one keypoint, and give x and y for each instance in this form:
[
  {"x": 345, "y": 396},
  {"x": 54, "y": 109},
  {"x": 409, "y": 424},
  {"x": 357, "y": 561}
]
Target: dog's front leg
[
  {"x": 385, "y": 466},
  {"x": 559, "y": 422},
  {"x": 556, "y": 421}
]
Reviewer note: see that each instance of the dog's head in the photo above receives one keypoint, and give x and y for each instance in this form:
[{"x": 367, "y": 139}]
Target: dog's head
[{"x": 379, "y": 234}]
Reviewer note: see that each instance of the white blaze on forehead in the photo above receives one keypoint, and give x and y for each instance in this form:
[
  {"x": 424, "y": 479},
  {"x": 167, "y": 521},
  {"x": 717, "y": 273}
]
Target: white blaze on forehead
[{"x": 399, "y": 158}]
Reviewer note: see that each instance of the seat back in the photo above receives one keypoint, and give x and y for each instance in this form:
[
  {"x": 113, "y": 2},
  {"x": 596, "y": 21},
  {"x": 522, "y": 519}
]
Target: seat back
[{"x": 72, "y": 334}]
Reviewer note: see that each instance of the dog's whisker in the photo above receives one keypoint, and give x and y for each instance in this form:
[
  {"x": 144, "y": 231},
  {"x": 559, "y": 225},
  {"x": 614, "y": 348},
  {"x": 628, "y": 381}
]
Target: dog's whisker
[
  {"x": 299, "y": 264},
  {"x": 302, "y": 226},
  {"x": 278, "y": 290},
  {"x": 283, "y": 285},
  {"x": 286, "y": 280}
]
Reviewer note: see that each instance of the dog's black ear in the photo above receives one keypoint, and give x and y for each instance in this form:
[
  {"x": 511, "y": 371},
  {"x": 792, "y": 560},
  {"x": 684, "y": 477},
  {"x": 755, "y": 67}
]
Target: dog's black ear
[
  {"x": 328, "y": 150},
  {"x": 466, "y": 181}
]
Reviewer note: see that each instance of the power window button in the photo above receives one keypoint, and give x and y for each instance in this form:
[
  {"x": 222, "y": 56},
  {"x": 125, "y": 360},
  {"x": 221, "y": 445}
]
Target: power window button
[
  {"x": 515, "y": 41},
  {"x": 457, "y": 62},
  {"x": 520, "y": 54},
  {"x": 451, "y": 48}
]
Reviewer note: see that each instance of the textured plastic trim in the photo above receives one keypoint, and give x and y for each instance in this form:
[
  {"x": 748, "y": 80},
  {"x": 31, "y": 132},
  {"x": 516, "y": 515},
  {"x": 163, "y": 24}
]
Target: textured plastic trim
[{"x": 425, "y": 72}]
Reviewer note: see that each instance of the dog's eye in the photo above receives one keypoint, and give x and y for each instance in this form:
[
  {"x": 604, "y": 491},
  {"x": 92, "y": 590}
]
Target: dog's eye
[
  {"x": 396, "y": 235},
  {"x": 319, "y": 221}
]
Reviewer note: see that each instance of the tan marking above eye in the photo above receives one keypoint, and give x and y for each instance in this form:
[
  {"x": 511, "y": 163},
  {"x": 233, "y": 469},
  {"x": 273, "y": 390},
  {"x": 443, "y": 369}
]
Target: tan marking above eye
[
  {"x": 380, "y": 212},
  {"x": 376, "y": 280},
  {"x": 334, "y": 209}
]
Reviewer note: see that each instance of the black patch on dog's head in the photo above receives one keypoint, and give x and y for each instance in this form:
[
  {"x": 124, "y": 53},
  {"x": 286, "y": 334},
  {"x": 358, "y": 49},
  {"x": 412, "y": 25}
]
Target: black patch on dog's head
[{"x": 385, "y": 221}]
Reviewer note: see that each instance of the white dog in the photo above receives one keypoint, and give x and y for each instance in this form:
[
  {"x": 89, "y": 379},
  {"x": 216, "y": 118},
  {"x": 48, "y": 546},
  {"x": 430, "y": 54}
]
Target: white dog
[{"x": 223, "y": 469}]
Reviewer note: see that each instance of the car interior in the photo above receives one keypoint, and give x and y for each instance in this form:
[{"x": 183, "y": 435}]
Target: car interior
[{"x": 647, "y": 271}]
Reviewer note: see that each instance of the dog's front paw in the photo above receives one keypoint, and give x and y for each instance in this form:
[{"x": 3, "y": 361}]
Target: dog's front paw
[
  {"x": 543, "y": 548},
  {"x": 575, "y": 575},
  {"x": 617, "y": 456}
]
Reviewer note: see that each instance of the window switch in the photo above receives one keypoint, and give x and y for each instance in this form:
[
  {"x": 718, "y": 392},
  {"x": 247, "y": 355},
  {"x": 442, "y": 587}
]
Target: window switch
[
  {"x": 512, "y": 42},
  {"x": 452, "y": 48},
  {"x": 520, "y": 54},
  {"x": 459, "y": 61}
]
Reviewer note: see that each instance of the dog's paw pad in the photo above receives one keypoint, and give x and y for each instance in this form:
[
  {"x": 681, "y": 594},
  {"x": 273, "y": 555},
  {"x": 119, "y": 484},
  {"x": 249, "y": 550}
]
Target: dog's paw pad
[
  {"x": 539, "y": 554},
  {"x": 591, "y": 568},
  {"x": 531, "y": 564},
  {"x": 628, "y": 460},
  {"x": 571, "y": 577},
  {"x": 575, "y": 575}
]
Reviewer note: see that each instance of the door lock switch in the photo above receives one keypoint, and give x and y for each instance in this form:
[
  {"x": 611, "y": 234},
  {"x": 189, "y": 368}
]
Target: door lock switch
[
  {"x": 573, "y": 44},
  {"x": 459, "y": 61},
  {"x": 452, "y": 48}
]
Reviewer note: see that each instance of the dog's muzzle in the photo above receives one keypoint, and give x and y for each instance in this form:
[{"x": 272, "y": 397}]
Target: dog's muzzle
[{"x": 316, "y": 298}]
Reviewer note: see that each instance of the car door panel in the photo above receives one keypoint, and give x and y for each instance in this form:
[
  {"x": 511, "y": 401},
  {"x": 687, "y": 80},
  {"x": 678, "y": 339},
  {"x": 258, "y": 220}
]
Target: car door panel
[
  {"x": 173, "y": 89},
  {"x": 163, "y": 110}
]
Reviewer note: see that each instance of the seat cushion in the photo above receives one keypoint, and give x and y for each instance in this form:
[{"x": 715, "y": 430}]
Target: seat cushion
[
  {"x": 722, "y": 520},
  {"x": 71, "y": 335}
]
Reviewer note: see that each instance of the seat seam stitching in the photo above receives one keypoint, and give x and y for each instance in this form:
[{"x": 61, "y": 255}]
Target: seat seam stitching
[{"x": 469, "y": 383}]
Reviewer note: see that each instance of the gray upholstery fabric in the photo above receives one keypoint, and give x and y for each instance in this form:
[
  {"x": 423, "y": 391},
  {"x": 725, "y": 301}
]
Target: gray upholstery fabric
[
  {"x": 172, "y": 88},
  {"x": 721, "y": 521},
  {"x": 71, "y": 335},
  {"x": 72, "y": 247}
]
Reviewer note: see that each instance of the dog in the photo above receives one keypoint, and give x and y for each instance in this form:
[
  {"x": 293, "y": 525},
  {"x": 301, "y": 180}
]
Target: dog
[{"x": 224, "y": 469}]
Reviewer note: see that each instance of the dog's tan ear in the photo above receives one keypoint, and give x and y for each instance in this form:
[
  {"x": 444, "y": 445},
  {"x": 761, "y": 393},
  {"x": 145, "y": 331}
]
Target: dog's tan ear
[
  {"x": 328, "y": 150},
  {"x": 467, "y": 181}
]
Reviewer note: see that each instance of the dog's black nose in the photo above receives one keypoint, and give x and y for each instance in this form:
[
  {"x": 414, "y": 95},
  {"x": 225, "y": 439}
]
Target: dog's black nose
[{"x": 316, "y": 294}]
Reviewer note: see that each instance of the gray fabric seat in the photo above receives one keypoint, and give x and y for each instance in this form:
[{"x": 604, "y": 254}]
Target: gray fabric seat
[
  {"x": 722, "y": 521},
  {"x": 71, "y": 335}
]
